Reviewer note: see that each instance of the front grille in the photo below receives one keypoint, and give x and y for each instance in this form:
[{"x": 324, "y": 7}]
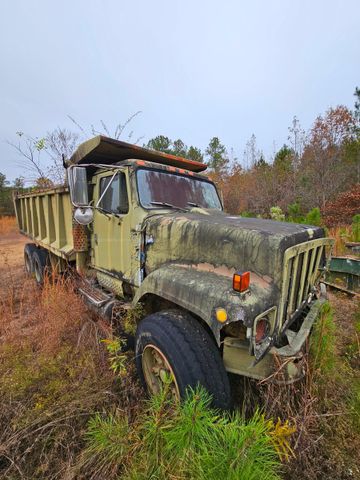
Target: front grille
[{"x": 301, "y": 271}]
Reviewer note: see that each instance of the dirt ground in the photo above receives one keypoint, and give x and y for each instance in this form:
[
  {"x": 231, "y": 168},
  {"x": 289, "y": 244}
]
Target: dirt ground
[{"x": 12, "y": 273}]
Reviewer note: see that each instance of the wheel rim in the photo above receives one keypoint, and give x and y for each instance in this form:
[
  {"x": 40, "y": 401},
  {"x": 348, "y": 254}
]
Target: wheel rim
[{"x": 158, "y": 372}]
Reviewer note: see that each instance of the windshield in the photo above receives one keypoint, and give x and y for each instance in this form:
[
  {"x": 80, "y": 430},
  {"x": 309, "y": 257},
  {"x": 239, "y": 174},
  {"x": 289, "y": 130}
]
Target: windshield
[{"x": 159, "y": 188}]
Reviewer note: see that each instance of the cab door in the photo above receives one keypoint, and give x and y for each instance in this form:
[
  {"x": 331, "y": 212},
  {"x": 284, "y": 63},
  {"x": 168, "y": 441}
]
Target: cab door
[{"x": 111, "y": 241}]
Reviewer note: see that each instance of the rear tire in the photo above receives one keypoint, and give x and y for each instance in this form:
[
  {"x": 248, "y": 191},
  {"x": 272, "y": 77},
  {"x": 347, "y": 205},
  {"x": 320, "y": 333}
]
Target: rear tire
[
  {"x": 41, "y": 263},
  {"x": 28, "y": 258},
  {"x": 189, "y": 352}
]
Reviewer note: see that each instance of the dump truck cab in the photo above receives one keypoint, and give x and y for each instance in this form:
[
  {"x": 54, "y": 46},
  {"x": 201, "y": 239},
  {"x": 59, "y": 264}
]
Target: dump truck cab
[
  {"x": 124, "y": 197},
  {"x": 219, "y": 293}
]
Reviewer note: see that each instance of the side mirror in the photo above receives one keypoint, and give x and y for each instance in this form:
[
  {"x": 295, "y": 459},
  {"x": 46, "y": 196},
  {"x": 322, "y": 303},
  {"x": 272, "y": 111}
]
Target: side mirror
[
  {"x": 78, "y": 186},
  {"x": 79, "y": 195},
  {"x": 84, "y": 215}
]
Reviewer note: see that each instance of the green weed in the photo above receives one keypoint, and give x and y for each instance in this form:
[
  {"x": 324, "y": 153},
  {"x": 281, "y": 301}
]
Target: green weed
[
  {"x": 322, "y": 342},
  {"x": 117, "y": 359},
  {"x": 355, "y": 227},
  {"x": 132, "y": 318},
  {"x": 107, "y": 436},
  {"x": 190, "y": 440}
]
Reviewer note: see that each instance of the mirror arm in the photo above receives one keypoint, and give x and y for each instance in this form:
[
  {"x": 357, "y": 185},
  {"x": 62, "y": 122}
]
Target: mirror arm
[{"x": 64, "y": 162}]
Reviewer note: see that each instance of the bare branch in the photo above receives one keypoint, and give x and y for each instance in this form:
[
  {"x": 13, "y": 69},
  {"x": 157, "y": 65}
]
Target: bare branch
[
  {"x": 28, "y": 154},
  {"x": 77, "y": 124},
  {"x": 120, "y": 128},
  {"x": 139, "y": 139},
  {"x": 105, "y": 128}
]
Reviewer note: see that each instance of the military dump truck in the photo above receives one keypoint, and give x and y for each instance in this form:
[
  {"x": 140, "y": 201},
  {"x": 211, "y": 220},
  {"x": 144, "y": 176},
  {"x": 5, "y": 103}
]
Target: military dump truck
[{"x": 218, "y": 293}]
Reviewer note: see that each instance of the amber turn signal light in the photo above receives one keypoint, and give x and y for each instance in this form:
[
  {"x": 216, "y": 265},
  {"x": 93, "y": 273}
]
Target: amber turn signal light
[{"x": 241, "y": 281}]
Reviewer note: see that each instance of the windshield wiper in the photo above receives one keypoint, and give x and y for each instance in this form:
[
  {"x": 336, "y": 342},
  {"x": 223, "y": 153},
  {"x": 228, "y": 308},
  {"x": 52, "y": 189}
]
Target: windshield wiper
[
  {"x": 165, "y": 204},
  {"x": 192, "y": 204}
]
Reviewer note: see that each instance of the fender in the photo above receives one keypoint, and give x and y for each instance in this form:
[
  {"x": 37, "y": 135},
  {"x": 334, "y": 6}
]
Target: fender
[{"x": 201, "y": 292}]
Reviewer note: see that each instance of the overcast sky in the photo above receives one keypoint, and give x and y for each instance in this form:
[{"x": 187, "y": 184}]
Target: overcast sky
[{"x": 195, "y": 69}]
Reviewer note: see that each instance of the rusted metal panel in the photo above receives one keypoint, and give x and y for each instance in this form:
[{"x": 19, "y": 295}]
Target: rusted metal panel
[
  {"x": 344, "y": 274},
  {"x": 105, "y": 150},
  {"x": 80, "y": 237}
]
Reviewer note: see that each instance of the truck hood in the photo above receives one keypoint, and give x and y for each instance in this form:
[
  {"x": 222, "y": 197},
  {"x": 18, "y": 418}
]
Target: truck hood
[{"x": 215, "y": 241}]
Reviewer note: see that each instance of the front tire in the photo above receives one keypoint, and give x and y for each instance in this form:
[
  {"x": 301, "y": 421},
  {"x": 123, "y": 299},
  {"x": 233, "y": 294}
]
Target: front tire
[{"x": 175, "y": 343}]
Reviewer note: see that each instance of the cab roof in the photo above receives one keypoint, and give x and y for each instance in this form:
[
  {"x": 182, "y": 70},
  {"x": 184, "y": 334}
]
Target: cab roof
[{"x": 105, "y": 150}]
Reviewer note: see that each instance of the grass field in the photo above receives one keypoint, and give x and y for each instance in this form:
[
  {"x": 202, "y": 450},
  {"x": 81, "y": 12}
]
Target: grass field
[{"x": 64, "y": 414}]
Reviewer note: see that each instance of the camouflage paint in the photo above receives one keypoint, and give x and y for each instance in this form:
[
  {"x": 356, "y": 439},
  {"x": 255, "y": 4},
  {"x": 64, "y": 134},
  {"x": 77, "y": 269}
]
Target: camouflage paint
[{"x": 205, "y": 250}]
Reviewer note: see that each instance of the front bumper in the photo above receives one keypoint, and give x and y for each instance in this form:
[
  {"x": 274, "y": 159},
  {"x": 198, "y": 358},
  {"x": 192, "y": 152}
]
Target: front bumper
[
  {"x": 281, "y": 365},
  {"x": 297, "y": 340}
]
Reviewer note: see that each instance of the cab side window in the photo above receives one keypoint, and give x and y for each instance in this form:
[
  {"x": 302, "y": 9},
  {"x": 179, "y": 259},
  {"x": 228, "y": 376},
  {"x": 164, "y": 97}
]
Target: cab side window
[{"x": 115, "y": 199}]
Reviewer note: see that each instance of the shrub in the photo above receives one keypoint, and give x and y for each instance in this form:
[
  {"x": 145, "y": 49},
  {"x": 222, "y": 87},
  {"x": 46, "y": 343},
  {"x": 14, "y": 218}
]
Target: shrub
[
  {"x": 343, "y": 208},
  {"x": 294, "y": 211},
  {"x": 277, "y": 214},
  {"x": 313, "y": 217},
  {"x": 190, "y": 440},
  {"x": 247, "y": 214}
]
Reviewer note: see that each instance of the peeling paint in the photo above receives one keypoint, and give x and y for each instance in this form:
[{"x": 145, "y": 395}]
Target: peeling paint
[
  {"x": 224, "y": 271},
  {"x": 194, "y": 256}
]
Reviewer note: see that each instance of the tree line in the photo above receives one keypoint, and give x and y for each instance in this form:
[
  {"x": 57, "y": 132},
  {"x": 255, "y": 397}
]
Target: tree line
[{"x": 310, "y": 171}]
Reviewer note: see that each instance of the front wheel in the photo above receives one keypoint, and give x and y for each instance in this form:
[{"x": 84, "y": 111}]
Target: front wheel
[{"x": 172, "y": 347}]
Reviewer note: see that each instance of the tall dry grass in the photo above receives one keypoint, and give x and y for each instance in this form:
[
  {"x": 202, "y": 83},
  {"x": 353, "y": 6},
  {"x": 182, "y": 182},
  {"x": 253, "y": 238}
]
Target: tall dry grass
[
  {"x": 326, "y": 442},
  {"x": 65, "y": 415},
  {"x": 7, "y": 225},
  {"x": 341, "y": 235},
  {"x": 54, "y": 376},
  {"x": 56, "y": 384}
]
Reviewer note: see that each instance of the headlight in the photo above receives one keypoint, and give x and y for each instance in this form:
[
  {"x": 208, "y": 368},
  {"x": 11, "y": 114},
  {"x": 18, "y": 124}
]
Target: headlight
[
  {"x": 263, "y": 329},
  {"x": 262, "y": 332}
]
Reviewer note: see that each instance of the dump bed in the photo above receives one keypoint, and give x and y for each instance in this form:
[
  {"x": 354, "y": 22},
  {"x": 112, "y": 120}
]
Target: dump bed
[
  {"x": 45, "y": 216},
  {"x": 105, "y": 150}
]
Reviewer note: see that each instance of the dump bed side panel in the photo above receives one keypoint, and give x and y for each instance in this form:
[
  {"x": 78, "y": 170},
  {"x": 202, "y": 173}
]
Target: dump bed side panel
[{"x": 46, "y": 217}]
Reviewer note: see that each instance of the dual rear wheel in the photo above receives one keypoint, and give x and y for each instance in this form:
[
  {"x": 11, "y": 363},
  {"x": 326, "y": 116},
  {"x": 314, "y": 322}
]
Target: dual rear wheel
[{"x": 36, "y": 262}]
